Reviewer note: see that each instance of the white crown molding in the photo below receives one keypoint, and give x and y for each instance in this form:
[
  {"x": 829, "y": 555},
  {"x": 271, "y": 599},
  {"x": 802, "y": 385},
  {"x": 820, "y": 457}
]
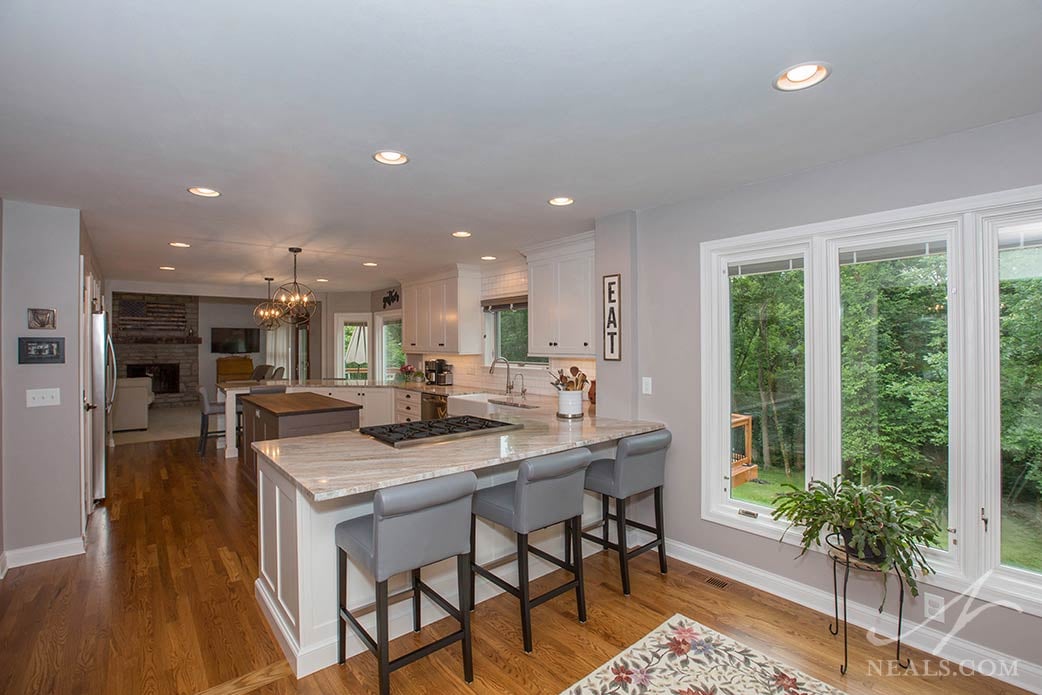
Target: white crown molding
[
  {"x": 570, "y": 244},
  {"x": 19, "y": 557},
  {"x": 961, "y": 651}
]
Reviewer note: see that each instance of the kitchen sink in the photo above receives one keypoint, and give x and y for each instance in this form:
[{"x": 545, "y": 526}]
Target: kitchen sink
[{"x": 512, "y": 404}]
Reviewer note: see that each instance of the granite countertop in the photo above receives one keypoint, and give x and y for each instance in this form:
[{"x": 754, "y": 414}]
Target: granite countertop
[
  {"x": 340, "y": 464},
  {"x": 279, "y": 404},
  {"x": 333, "y": 383}
]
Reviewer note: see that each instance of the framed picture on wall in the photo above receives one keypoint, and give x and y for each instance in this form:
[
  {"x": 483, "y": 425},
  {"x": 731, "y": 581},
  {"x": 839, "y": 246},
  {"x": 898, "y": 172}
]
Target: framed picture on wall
[
  {"x": 41, "y": 351},
  {"x": 43, "y": 318},
  {"x": 612, "y": 318}
]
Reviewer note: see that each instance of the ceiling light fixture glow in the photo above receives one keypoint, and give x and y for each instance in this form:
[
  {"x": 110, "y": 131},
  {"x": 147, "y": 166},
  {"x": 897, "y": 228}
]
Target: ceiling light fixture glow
[
  {"x": 802, "y": 76},
  {"x": 461, "y": 234},
  {"x": 488, "y": 258},
  {"x": 391, "y": 157},
  {"x": 370, "y": 264},
  {"x": 560, "y": 201},
  {"x": 321, "y": 280},
  {"x": 167, "y": 267},
  {"x": 204, "y": 192},
  {"x": 180, "y": 245}
]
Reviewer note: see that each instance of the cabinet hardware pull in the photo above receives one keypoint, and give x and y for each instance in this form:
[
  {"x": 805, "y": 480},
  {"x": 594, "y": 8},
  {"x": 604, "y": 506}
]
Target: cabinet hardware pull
[{"x": 586, "y": 345}]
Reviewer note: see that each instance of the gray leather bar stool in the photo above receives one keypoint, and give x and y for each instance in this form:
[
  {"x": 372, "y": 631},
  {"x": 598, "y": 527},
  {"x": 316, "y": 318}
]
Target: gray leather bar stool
[
  {"x": 411, "y": 526},
  {"x": 260, "y": 372},
  {"x": 548, "y": 491},
  {"x": 639, "y": 465},
  {"x": 206, "y": 409}
]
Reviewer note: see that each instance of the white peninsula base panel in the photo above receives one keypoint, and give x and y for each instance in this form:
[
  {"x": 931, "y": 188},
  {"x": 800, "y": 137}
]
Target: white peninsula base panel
[{"x": 297, "y": 584}]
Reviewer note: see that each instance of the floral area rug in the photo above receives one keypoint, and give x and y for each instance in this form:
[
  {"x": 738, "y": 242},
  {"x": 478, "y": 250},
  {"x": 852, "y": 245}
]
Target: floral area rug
[{"x": 682, "y": 657}]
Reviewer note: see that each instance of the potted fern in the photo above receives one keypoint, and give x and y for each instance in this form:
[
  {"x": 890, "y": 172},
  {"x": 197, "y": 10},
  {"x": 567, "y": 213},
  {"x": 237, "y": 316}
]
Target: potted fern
[{"x": 876, "y": 525}]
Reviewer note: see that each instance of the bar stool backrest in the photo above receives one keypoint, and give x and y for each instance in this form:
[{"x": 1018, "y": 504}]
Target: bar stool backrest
[
  {"x": 205, "y": 406},
  {"x": 417, "y": 524},
  {"x": 640, "y": 462},
  {"x": 260, "y": 372},
  {"x": 276, "y": 373},
  {"x": 550, "y": 489}
]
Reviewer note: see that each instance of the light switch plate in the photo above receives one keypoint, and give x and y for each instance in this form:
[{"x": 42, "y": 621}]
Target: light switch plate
[
  {"x": 40, "y": 398},
  {"x": 645, "y": 385}
]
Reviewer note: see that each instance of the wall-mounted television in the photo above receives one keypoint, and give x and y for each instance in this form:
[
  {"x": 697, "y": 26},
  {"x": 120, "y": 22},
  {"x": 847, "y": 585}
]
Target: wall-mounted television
[{"x": 234, "y": 341}]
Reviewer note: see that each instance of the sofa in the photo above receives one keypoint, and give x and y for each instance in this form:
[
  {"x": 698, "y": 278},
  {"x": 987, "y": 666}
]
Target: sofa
[{"x": 130, "y": 404}]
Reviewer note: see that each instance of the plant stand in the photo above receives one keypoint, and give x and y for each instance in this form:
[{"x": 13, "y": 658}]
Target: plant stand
[{"x": 840, "y": 556}]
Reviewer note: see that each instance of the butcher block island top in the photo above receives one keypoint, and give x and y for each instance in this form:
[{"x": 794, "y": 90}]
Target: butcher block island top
[
  {"x": 302, "y": 403},
  {"x": 341, "y": 464}
]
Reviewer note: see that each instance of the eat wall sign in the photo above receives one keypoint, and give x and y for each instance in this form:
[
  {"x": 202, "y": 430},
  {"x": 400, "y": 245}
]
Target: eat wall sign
[{"x": 612, "y": 318}]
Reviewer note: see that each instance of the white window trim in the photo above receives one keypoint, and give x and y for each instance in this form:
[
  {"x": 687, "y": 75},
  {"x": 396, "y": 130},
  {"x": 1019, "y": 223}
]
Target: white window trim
[
  {"x": 339, "y": 319},
  {"x": 379, "y": 319},
  {"x": 973, "y": 336},
  {"x": 488, "y": 348}
]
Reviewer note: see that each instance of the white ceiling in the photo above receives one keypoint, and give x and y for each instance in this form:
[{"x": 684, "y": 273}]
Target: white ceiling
[{"x": 116, "y": 106}]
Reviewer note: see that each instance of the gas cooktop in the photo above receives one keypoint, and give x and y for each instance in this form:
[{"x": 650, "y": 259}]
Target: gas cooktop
[{"x": 431, "y": 431}]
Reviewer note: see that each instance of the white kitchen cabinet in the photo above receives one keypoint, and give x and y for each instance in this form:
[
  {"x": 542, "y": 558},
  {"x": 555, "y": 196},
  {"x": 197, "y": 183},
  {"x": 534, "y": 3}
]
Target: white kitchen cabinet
[
  {"x": 377, "y": 403},
  {"x": 561, "y": 306},
  {"x": 443, "y": 313}
]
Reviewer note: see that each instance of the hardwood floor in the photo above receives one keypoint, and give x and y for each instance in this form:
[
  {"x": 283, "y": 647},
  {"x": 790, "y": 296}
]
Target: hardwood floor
[{"x": 163, "y": 603}]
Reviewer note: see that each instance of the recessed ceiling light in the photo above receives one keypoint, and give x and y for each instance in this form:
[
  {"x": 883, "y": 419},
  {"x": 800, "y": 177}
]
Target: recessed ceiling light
[
  {"x": 370, "y": 264},
  {"x": 801, "y": 76},
  {"x": 180, "y": 245},
  {"x": 560, "y": 201},
  {"x": 390, "y": 157},
  {"x": 321, "y": 280},
  {"x": 167, "y": 267},
  {"x": 204, "y": 192},
  {"x": 461, "y": 234},
  {"x": 488, "y": 258}
]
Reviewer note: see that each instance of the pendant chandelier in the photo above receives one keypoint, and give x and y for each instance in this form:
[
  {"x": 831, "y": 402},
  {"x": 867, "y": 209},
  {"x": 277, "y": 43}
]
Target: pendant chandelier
[
  {"x": 268, "y": 314},
  {"x": 297, "y": 301}
]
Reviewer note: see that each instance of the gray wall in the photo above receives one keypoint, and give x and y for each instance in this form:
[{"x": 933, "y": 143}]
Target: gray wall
[
  {"x": 618, "y": 385},
  {"x": 223, "y": 313},
  {"x": 992, "y": 158},
  {"x": 40, "y": 445},
  {"x": 2, "y": 351}
]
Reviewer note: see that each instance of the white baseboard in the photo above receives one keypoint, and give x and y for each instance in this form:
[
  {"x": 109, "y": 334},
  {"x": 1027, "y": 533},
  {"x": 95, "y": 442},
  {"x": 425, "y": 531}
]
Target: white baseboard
[
  {"x": 19, "y": 557},
  {"x": 1027, "y": 675},
  {"x": 3, "y": 564}
]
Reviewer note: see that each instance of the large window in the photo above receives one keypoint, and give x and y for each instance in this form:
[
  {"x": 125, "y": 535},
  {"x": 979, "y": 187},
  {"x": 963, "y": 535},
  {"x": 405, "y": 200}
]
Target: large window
[
  {"x": 1020, "y": 349},
  {"x": 894, "y": 369},
  {"x": 390, "y": 346},
  {"x": 506, "y": 333},
  {"x": 902, "y": 348},
  {"x": 767, "y": 378}
]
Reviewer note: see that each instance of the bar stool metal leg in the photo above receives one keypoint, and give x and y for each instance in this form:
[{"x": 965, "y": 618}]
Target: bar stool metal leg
[
  {"x": 620, "y": 529},
  {"x": 416, "y": 600},
  {"x": 577, "y": 553},
  {"x": 341, "y": 580},
  {"x": 465, "y": 578},
  {"x": 660, "y": 530},
  {"x": 473, "y": 561},
  {"x": 383, "y": 652},
  {"x": 525, "y": 590},
  {"x": 604, "y": 518}
]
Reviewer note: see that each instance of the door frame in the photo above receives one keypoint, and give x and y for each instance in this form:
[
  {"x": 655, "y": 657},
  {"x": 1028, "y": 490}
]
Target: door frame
[{"x": 86, "y": 392}]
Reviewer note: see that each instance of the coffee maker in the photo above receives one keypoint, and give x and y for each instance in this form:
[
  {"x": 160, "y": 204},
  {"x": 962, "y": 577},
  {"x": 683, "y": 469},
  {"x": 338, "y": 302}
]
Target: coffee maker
[
  {"x": 430, "y": 370},
  {"x": 438, "y": 372}
]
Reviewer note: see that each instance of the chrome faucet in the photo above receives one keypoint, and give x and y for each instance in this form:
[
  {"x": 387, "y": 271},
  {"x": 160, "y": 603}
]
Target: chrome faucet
[
  {"x": 524, "y": 391},
  {"x": 492, "y": 370}
]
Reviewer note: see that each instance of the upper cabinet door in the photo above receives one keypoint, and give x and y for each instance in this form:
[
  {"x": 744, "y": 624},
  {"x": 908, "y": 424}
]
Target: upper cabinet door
[
  {"x": 450, "y": 316},
  {"x": 437, "y": 312},
  {"x": 424, "y": 318},
  {"x": 542, "y": 307},
  {"x": 574, "y": 306},
  {"x": 410, "y": 319}
]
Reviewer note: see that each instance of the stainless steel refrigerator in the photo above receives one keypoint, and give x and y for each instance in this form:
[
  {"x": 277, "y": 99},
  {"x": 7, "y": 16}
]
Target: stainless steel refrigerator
[{"x": 103, "y": 366}]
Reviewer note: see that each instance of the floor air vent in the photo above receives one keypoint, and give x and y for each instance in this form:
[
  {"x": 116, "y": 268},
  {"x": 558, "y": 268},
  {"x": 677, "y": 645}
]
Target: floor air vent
[{"x": 717, "y": 582}]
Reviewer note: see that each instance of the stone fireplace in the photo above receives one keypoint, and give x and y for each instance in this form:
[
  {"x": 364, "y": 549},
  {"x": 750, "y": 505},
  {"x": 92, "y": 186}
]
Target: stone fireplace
[{"x": 157, "y": 336}]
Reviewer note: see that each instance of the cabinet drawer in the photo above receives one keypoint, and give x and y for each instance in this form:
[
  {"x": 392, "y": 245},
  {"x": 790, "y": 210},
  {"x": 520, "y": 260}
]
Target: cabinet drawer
[
  {"x": 407, "y": 397},
  {"x": 409, "y": 409},
  {"x": 406, "y": 417}
]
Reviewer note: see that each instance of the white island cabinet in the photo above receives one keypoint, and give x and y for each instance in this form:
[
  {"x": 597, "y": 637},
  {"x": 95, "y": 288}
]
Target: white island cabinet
[{"x": 308, "y": 485}]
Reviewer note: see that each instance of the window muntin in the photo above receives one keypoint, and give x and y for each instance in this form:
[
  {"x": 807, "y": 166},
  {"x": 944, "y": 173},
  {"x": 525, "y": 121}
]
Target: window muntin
[
  {"x": 768, "y": 378},
  {"x": 894, "y": 370},
  {"x": 355, "y": 366},
  {"x": 1020, "y": 392}
]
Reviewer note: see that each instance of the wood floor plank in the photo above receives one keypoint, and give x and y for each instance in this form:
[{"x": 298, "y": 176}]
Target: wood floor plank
[{"x": 162, "y": 603}]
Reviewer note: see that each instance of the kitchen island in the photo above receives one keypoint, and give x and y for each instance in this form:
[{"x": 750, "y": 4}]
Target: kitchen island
[{"x": 307, "y": 485}]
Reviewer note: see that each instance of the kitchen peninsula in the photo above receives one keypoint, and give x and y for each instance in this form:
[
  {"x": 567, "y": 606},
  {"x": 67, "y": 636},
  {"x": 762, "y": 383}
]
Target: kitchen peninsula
[{"x": 307, "y": 485}]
